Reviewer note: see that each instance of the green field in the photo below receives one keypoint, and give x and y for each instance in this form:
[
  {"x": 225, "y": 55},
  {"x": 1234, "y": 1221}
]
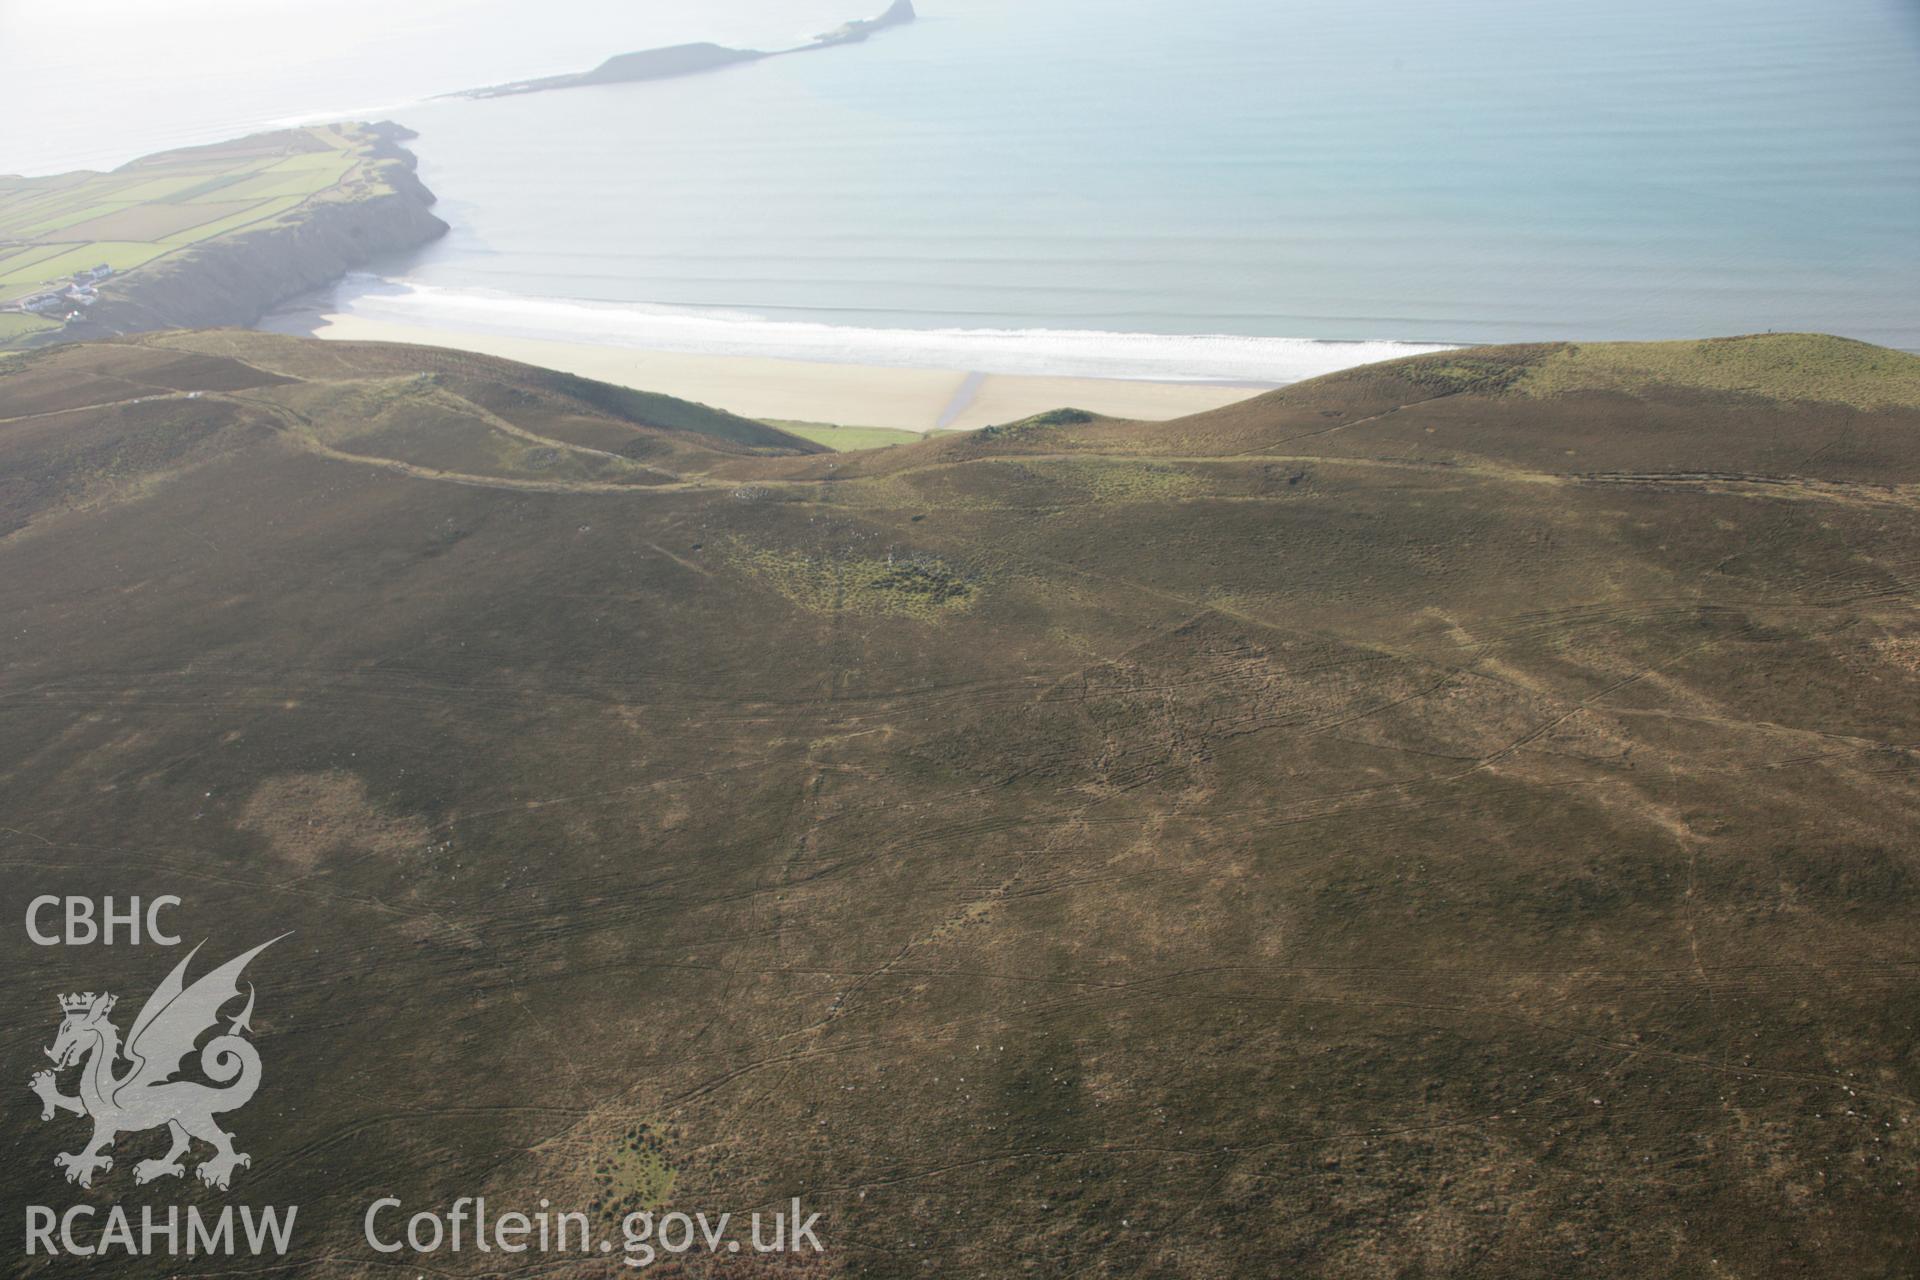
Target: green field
[
  {"x": 846, "y": 439},
  {"x": 52, "y": 227},
  {"x": 16, "y": 325}
]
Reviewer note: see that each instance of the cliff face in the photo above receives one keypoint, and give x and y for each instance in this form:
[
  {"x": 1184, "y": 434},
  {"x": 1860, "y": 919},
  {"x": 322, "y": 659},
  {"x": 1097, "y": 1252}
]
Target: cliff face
[
  {"x": 899, "y": 12},
  {"x": 235, "y": 279}
]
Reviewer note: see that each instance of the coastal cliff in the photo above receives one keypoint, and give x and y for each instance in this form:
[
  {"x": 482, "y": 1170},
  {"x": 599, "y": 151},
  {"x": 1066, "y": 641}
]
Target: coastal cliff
[
  {"x": 236, "y": 278},
  {"x": 901, "y": 11},
  {"x": 363, "y": 201}
]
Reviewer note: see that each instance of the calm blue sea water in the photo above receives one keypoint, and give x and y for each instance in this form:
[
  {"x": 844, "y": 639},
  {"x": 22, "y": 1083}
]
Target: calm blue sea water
[{"x": 1479, "y": 170}]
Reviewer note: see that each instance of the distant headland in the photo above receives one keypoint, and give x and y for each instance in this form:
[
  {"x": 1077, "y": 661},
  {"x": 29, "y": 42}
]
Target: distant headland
[
  {"x": 691, "y": 59},
  {"x": 204, "y": 236}
]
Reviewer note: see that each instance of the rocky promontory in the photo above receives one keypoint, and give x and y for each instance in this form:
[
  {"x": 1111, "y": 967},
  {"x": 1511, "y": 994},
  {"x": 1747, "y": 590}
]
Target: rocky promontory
[
  {"x": 378, "y": 206},
  {"x": 691, "y": 59}
]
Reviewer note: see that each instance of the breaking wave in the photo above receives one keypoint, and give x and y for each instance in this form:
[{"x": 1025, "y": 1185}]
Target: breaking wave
[{"x": 1085, "y": 353}]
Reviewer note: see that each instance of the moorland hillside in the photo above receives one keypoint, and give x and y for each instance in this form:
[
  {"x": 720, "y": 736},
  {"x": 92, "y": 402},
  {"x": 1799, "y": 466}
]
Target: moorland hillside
[{"x": 1453, "y": 817}]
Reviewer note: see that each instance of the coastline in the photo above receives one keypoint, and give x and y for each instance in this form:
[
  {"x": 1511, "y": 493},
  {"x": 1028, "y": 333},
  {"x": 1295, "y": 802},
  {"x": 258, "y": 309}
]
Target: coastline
[
  {"x": 762, "y": 387},
  {"x": 171, "y": 261}
]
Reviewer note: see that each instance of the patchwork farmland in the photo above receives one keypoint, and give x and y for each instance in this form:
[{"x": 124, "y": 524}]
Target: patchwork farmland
[{"x": 62, "y": 237}]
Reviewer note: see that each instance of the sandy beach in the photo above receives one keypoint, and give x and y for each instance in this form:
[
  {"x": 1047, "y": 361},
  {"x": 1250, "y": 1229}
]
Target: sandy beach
[{"x": 849, "y": 394}]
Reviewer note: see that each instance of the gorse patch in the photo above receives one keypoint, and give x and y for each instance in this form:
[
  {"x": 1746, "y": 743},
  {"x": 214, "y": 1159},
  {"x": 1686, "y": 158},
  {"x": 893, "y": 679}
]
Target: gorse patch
[
  {"x": 635, "y": 1175},
  {"x": 1457, "y": 374},
  {"x": 1107, "y": 481},
  {"x": 1037, "y": 422},
  {"x": 914, "y": 585}
]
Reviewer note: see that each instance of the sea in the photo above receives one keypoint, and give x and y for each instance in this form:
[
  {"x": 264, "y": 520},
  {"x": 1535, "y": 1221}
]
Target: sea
[{"x": 1234, "y": 190}]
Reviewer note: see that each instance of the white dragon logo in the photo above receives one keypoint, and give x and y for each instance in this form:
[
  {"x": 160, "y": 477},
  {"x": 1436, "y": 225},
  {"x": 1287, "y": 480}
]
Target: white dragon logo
[{"x": 145, "y": 1095}]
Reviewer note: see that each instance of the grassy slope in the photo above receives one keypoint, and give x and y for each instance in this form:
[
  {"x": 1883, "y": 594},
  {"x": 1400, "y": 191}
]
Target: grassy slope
[
  {"x": 1402, "y": 824},
  {"x": 18, "y": 326},
  {"x": 1787, "y": 366},
  {"x": 497, "y": 384}
]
